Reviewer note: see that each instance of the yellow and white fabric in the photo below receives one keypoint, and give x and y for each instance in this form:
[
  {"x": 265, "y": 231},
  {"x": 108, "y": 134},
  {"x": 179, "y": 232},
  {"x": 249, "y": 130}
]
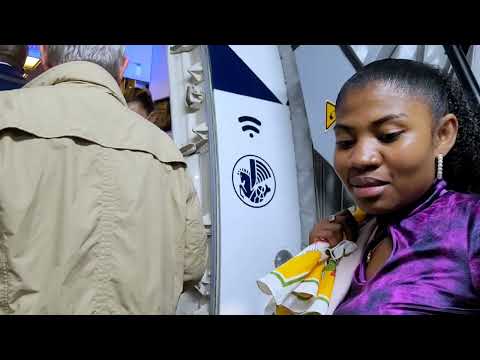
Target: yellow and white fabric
[{"x": 305, "y": 283}]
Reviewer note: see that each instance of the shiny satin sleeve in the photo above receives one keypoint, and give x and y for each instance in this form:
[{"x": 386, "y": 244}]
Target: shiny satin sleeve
[{"x": 474, "y": 247}]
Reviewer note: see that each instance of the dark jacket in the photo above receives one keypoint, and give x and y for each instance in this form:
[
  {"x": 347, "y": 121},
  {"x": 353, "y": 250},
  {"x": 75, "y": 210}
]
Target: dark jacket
[{"x": 10, "y": 78}]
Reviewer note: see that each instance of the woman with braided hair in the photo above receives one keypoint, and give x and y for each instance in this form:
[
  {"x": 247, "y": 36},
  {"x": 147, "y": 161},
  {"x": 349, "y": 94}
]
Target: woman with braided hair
[{"x": 407, "y": 149}]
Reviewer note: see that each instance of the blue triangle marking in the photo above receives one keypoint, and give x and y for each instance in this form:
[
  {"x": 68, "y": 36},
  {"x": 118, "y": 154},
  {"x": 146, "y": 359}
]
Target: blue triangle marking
[{"x": 231, "y": 74}]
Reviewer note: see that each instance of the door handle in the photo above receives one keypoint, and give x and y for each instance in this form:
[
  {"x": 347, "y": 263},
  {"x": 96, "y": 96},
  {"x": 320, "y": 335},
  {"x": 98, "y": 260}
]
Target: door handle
[{"x": 282, "y": 257}]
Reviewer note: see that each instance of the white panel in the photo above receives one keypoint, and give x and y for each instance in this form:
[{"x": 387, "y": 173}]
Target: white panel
[
  {"x": 361, "y": 51},
  {"x": 302, "y": 143},
  {"x": 386, "y": 51},
  {"x": 251, "y": 237},
  {"x": 322, "y": 69},
  {"x": 183, "y": 121},
  {"x": 372, "y": 54},
  {"x": 435, "y": 55},
  {"x": 475, "y": 66},
  {"x": 264, "y": 61},
  {"x": 406, "y": 52}
]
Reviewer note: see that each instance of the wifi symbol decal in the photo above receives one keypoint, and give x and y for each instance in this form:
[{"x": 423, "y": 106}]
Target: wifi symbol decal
[{"x": 250, "y": 127}]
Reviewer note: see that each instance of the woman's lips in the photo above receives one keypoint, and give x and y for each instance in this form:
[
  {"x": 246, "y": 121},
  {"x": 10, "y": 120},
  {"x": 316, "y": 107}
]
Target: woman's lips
[
  {"x": 369, "y": 191},
  {"x": 366, "y": 187}
]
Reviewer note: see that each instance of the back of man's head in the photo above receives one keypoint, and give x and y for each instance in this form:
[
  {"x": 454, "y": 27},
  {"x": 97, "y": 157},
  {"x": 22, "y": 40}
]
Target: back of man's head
[
  {"x": 109, "y": 57},
  {"x": 14, "y": 55}
]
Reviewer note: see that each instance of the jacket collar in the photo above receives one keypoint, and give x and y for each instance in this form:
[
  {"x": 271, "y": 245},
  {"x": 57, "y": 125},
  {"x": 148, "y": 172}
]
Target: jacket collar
[
  {"x": 10, "y": 70},
  {"x": 79, "y": 71},
  {"x": 4, "y": 64}
]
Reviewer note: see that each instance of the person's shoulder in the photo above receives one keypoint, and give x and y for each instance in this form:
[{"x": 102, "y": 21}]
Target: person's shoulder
[
  {"x": 469, "y": 209},
  {"x": 158, "y": 142},
  {"x": 165, "y": 143},
  {"x": 11, "y": 102},
  {"x": 464, "y": 196},
  {"x": 50, "y": 111},
  {"x": 468, "y": 202},
  {"x": 24, "y": 98}
]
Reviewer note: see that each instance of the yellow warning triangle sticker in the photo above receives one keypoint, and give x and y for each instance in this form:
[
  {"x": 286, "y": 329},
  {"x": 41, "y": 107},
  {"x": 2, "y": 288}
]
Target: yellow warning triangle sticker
[{"x": 330, "y": 115}]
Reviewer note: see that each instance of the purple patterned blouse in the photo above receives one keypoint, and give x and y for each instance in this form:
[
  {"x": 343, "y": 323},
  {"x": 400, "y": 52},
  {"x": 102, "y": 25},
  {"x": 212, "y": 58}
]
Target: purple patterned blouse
[{"x": 434, "y": 266}]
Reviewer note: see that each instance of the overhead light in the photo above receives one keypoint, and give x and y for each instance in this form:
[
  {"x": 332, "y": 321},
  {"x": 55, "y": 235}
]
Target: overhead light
[{"x": 31, "y": 63}]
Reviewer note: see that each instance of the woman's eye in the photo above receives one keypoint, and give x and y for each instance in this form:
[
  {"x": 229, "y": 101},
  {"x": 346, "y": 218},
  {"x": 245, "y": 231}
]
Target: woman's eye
[
  {"x": 390, "y": 137},
  {"x": 344, "y": 144}
]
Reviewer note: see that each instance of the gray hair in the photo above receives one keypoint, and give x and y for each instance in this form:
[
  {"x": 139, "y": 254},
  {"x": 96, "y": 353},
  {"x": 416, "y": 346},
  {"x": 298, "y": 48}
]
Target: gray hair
[{"x": 109, "y": 57}]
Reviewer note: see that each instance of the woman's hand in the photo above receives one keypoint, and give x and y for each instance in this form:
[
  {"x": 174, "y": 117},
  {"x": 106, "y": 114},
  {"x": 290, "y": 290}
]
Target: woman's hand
[{"x": 334, "y": 231}]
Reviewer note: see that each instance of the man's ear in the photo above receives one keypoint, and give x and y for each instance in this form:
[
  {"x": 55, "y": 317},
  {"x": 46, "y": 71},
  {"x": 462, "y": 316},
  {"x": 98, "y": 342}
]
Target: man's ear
[
  {"x": 44, "y": 57},
  {"x": 445, "y": 134},
  {"x": 123, "y": 68}
]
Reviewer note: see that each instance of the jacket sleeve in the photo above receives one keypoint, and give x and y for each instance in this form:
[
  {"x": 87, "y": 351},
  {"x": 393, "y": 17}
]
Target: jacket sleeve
[
  {"x": 474, "y": 248},
  {"x": 196, "y": 249}
]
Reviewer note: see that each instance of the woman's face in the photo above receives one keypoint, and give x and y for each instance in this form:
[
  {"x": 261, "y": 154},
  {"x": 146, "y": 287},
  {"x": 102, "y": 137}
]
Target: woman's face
[{"x": 385, "y": 153}]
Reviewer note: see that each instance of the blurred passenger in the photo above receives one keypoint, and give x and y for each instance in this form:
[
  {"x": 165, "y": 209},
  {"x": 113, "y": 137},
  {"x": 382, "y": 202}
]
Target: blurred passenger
[
  {"x": 78, "y": 210},
  {"x": 161, "y": 116},
  {"x": 140, "y": 101},
  {"x": 12, "y": 60}
]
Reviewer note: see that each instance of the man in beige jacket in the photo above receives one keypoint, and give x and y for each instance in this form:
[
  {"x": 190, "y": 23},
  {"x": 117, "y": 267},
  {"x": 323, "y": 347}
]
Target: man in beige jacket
[{"x": 97, "y": 212}]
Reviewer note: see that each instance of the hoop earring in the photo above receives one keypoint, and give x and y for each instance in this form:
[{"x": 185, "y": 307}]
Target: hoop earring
[{"x": 439, "y": 167}]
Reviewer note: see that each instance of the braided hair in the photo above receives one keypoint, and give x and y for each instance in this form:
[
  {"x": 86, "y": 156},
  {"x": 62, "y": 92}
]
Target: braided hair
[{"x": 444, "y": 95}]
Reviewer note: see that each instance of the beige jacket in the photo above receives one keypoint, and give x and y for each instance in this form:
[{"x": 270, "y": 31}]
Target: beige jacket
[{"x": 97, "y": 212}]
